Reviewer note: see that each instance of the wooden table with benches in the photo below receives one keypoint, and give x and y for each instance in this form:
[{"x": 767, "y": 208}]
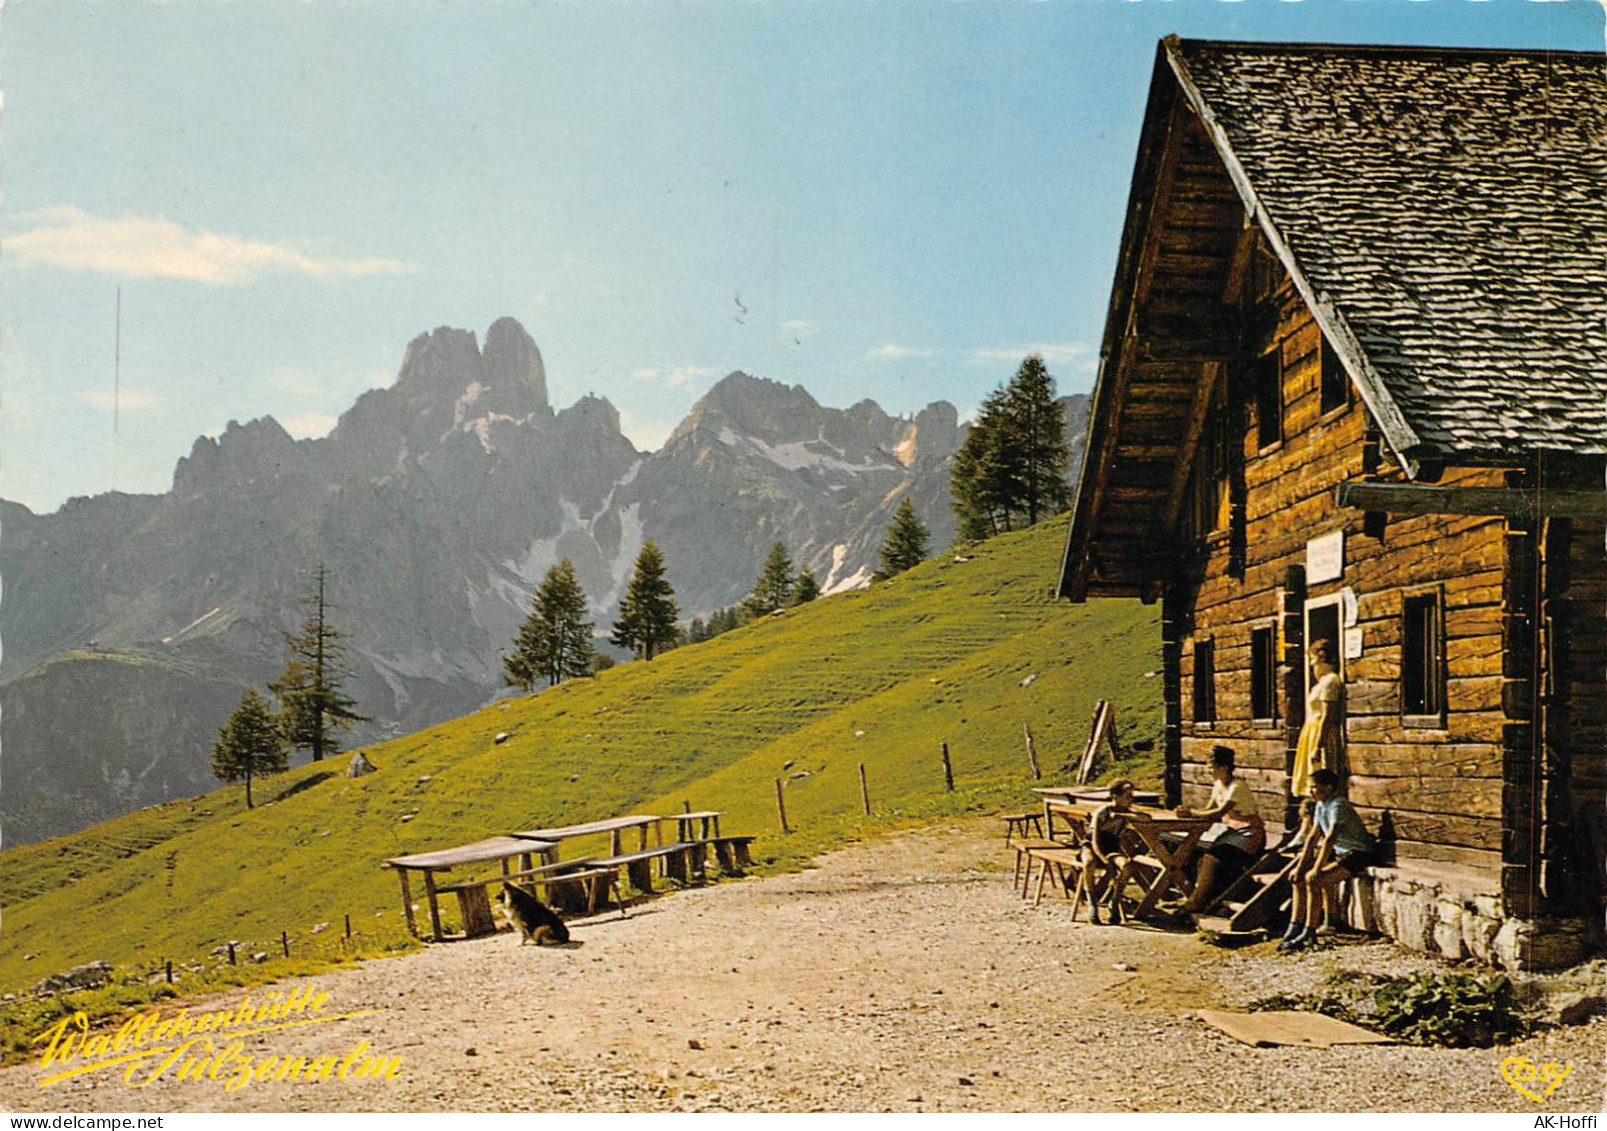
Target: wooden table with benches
[
  {"x": 681, "y": 859},
  {"x": 472, "y": 899}
]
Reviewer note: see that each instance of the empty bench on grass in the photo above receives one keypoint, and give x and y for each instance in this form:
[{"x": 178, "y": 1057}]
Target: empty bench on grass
[
  {"x": 732, "y": 852},
  {"x": 682, "y": 861}
]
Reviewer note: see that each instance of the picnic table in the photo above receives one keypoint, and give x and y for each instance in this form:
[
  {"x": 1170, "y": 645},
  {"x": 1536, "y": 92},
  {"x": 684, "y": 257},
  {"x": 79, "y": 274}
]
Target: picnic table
[
  {"x": 1091, "y": 794},
  {"x": 680, "y": 859},
  {"x": 614, "y": 826},
  {"x": 1170, "y": 842},
  {"x": 471, "y": 898}
]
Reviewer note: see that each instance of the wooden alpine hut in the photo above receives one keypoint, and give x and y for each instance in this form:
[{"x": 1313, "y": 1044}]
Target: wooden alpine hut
[{"x": 1353, "y": 388}]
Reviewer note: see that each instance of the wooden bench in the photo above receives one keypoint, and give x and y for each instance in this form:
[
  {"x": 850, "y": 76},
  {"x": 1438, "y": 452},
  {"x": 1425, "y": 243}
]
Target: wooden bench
[
  {"x": 1021, "y": 824},
  {"x": 575, "y": 886},
  {"x": 475, "y": 906},
  {"x": 682, "y": 861},
  {"x": 570, "y": 887},
  {"x": 732, "y": 853}
]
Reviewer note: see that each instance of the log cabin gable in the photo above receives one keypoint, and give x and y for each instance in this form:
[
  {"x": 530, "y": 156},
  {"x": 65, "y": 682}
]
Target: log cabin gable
[{"x": 1264, "y": 161}]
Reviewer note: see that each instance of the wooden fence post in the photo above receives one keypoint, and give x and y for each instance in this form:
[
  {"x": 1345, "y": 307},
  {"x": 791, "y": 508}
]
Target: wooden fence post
[
  {"x": 170, "y": 971},
  {"x": 864, "y": 790},
  {"x": 1032, "y": 754},
  {"x": 348, "y": 926},
  {"x": 781, "y": 807},
  {"x": 948, "y": 769},
  {"x": 231, "y": 954},
  {"x": 284, "y": 941}
]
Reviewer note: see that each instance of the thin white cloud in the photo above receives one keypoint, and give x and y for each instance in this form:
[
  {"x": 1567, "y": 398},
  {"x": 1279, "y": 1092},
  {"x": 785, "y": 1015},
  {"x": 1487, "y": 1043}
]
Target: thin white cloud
[
  {"x": 309, "y": 425},
  {"x": 151, "y": 247},
  {"x": 678, "y": 377},
  {"x": 894, "y": 351},
  {"x": 800, "y": 327},
  {"x": 1078, "y": 355},
  {"x": 125, "y": 400}
]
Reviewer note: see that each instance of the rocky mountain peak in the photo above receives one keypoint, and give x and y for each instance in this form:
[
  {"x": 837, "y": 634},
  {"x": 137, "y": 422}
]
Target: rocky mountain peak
[
  {"x": 590, "y": 414},
  {"x": 752, "y": 406},
  {"x": 512, "y": 360},
  {"x": 243, "y": 454}
]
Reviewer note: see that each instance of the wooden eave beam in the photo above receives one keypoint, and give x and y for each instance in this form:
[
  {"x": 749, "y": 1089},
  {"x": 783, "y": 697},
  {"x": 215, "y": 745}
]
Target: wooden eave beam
[
  {"x": 1503, "y": 502},
  {"x": 1401, "y": 436},
  {"x": 1117, "y": 365}
]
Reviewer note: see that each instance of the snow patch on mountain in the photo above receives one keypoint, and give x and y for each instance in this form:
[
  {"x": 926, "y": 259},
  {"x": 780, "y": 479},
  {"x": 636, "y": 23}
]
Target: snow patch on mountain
[{"x": 797, "y": 455}]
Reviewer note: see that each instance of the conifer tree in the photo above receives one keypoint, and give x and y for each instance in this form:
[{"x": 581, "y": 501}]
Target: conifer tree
[
  {"x": 250, "y": 745},
  {"x": 311, "y": 702},
  {"x": 805, "y": 588},
  {"x": 1010, "y": 470},
  {"x": 773, "y": 589},
  {"x": 1037, "y": 433},
  {"x": 554, "y": 643},
  {"x": 907, "y": 542},
  {"x": 646, "y": 623},
  {"x": 984, "y": 472}
]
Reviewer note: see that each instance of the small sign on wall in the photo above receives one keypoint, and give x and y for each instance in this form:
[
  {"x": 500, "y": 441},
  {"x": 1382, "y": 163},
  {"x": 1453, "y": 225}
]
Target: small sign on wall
[
  {"x": 1352, "y": 643},
  {"x": 1325, "y": 558}
]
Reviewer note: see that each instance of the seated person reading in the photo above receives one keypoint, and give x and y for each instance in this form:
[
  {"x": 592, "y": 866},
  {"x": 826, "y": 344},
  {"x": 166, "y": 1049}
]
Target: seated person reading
[
  {"x": 1337, "y": 848},
  {"x": 1230, "y": 854}
]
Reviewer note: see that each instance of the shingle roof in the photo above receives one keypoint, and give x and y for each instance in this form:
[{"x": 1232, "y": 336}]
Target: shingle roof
[{"x": 1450, "y": 204}]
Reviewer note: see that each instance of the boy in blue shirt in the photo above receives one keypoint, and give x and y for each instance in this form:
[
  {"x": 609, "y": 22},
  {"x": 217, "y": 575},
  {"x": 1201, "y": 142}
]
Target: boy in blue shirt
[{"x": 1343, "y": 850}]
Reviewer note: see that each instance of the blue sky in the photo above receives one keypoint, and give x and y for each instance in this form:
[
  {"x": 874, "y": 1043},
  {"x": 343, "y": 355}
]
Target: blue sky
[{"x": 892, "y": 200}]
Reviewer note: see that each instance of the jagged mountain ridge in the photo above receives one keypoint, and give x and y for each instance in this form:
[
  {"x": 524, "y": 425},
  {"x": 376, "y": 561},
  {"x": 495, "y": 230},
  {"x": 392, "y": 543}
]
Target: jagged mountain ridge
[{"x": 436, "y": 505}]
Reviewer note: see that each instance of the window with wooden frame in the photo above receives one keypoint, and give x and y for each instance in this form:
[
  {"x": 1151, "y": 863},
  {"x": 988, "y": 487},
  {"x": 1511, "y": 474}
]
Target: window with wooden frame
[
  {"x": 1263, "y": 674},
  {"x": 1205, "y": 681},
  {"x": 1423, "y": 658},
  {"x": 1266, "y": 380},
  {"x": 1335, "y": 381}
]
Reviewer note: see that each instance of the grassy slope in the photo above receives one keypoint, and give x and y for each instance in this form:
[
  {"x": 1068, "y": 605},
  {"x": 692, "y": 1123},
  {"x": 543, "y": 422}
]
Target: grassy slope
[{"x": 879, "y": 676}]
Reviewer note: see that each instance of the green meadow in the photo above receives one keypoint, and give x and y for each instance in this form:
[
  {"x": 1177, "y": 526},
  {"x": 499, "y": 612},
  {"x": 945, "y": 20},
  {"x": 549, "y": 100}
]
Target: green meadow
[{"x": 965, "y": 649}]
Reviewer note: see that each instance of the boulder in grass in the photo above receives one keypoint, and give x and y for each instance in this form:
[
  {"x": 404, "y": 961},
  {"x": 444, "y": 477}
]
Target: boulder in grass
[{"x": 85, "y": 977}]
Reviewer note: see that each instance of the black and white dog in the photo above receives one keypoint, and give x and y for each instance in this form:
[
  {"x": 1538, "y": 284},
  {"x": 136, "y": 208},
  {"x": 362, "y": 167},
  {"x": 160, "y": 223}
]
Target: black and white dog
[{"x": 530, "y": 917}]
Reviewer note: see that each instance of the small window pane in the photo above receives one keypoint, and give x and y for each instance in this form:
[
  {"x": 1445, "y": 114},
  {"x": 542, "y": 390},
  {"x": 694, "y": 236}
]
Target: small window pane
[
  {"x": 1422, "y": 672},
  {"x": 1204, "y": 681},
  {"x": 1335, "y": 381},
  {"x": 1263, "y": 675},
  {"x": 1268, "y": 377}
]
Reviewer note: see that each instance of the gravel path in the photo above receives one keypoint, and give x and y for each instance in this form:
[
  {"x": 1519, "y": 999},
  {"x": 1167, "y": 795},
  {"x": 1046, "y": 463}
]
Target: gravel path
[{"x": 900, "y": 975}]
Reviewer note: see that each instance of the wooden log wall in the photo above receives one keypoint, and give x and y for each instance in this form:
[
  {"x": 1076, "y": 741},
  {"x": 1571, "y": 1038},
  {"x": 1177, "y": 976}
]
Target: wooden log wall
[{"x": 1435, "y": 792}]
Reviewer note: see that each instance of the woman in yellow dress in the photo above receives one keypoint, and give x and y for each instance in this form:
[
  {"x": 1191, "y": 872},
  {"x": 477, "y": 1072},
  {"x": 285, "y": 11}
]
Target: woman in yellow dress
[{"x": 1318, "y": 745}]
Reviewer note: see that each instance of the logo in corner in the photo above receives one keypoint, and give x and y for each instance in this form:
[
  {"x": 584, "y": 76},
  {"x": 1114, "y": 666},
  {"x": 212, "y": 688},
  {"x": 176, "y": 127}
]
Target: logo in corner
[{"x": 1535, "y": 1081}]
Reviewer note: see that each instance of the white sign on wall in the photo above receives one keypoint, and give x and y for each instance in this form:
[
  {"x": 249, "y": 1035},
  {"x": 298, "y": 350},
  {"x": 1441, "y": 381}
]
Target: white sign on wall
[
  {"x": 1325, "y": 558},
  {"x": 1353, "y": 643}
]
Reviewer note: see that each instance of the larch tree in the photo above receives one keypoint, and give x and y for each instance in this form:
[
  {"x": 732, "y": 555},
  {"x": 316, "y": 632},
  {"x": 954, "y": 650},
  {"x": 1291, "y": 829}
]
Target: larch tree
[
  {"x": 311, "y": 702},
  {"x": 907, "y": 542},
  {"x": 250, "y": 745},
  {"x": 647, "y": 615},
  {"x": 554, "y": 643}
]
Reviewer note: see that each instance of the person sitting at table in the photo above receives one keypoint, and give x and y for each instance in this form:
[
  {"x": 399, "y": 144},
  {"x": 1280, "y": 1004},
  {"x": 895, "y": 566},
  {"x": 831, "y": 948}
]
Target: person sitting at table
[
  {"x": 1110, "y": 842},
  {"x": 1337, "y": 848},
  {"x": 1230, "y": 854}
]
